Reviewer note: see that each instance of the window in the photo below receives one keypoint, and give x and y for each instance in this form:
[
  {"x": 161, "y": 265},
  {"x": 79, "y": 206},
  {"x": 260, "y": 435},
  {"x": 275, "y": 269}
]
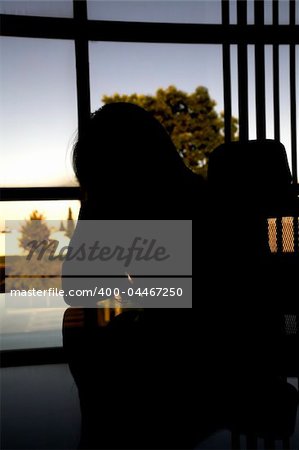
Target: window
[
  {"x": 38, "y": 114},
  {"x": 25, "y": 323},
  {"x": 148, "y": 67},
  {"x": 165, "y": 11},
  {"x": 54, "y": 8},
  {"x": 46, "y": 87}
]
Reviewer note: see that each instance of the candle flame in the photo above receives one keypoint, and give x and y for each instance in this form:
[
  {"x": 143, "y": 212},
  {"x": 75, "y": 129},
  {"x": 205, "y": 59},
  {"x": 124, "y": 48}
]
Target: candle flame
[{"x": 129, "y": 278}]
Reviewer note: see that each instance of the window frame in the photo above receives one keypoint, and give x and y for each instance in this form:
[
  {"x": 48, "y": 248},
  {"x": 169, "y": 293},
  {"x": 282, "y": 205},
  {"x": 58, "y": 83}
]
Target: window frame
[{"x": 81, "y": 30}]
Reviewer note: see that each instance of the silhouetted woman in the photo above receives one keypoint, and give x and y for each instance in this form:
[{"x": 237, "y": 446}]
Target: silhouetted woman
[
  {"x": 136, "y": 377},
  {"x": 127, "y": 166}
]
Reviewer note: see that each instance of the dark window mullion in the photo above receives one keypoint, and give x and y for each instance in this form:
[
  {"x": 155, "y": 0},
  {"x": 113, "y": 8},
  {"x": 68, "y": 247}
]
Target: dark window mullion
[
  {"x": 226, "y": 77},
  {"x": 242, "y": 74},
  {"x": 37, "y": 27},
  {"x": 40, "y": 193},
  {"x": 82, "y": 64},
  {"x": 276, "y": 103},
  {"x": 101, "y": 30},
  {"x": 260, "y": 75}
]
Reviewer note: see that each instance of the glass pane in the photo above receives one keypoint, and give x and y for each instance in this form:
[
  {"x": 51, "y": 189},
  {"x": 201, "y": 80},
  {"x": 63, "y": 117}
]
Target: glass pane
[
  {"x": 284, "y": 98},
  {"x": 234, "y": 80},
  {"x": 284, "y": 12},
  {"x": 233, "y": 12},
  {"x": 50, "y": 8},
  {"x": 268, "y": 12},
  {"x": 251, "y": 92},
  {"x": 250, "y": 12},
  {"x": 38, "y": 322},
  {"x": 269, "y": 92},
  {"x": 38, "y": 111},
  {"x": 167, "y": 11},
  {"x": 176, "y": 69}
]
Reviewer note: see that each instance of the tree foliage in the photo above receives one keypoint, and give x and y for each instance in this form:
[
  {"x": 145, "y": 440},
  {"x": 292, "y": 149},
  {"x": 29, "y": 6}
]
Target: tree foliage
[
  {"x": 191, "y": 120},
  {"x": 34, "y": 229}
]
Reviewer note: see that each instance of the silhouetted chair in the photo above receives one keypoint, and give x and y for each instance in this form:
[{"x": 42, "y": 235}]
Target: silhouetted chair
[{"x": 250, "y": 182}]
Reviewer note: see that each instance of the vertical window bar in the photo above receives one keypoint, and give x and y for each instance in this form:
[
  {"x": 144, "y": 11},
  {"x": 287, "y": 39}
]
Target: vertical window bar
[
  {"x": 293, "y": 97},
  {"x": 260, "y": 74},
  {"x": 226, "y": 77},
  {"x": 83, "y": 93},
  {"x": 276, "y": 105},
  {"x": 242, "y": 74},
  {"x": 82, "y": 65}
]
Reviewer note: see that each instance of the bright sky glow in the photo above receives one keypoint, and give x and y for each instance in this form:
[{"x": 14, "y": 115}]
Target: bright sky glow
[{"x": 38, "y": 111}]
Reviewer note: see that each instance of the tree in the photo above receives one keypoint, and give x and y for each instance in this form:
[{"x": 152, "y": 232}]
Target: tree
[
  {"x": 191, "y": 120},
  {"x": 70, "y": 227},
  {"x": 34, "y": 229}
]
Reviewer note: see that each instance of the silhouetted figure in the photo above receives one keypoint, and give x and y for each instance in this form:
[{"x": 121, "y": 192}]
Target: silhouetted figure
[
  {"x": 168, "y": 378},
  {"x": 136, "y": 376},
  {"x": 127, "y": 165}
]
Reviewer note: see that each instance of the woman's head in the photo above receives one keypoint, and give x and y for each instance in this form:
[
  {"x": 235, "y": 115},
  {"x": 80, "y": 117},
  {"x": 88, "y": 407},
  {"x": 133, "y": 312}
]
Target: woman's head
[{"x": 125, "y": 145}]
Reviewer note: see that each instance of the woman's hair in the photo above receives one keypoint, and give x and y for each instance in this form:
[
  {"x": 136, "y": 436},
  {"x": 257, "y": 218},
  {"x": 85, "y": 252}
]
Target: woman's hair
[{"x": 124, "y": 143}]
